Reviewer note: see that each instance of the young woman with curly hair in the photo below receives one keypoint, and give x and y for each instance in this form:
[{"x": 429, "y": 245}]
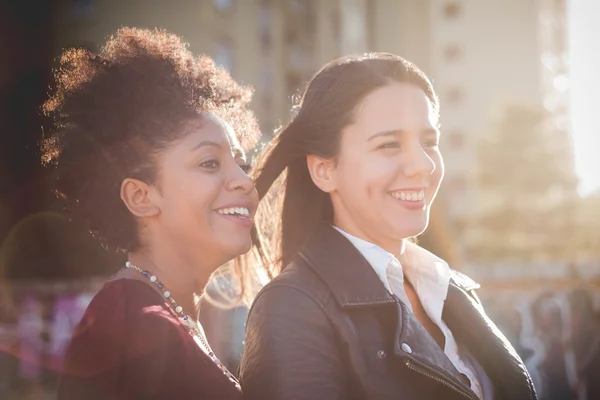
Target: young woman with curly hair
[{"x": 148, "y": 148}]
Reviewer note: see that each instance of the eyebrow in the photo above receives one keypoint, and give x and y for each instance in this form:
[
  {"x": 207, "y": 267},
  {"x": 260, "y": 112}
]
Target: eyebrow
[
  {"x": 237, "y": 151},
  {"x": 399, "y": 132},
  {"x": 206, "y": 143}
]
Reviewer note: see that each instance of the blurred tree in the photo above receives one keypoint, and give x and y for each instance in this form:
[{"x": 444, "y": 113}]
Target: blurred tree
[
  {"x": 580, "y": 234},
  {"x": 439, "y": 237},
  {"x": 47, "y": 246},
  {"x": 524, "y": 177}
]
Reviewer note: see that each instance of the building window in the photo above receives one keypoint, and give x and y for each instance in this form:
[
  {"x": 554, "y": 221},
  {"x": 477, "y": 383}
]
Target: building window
[
  {"x": 223, "y": 5},
  {"x": 223, "y": 54},
  {"x": 265, "y": 25},
  {"x": 453, "y": 52},
  {"x": 291, "y": 36},
  {"x": 267, "y": 103},
  {"x": 456, "y": 140},
  {"x": 452, "y": 10},
  {"x": 457, "y": 184},
  {"x": 336, "y": 24},
  {"x": 299, "y": 58},
  {"x": 299, "y": 6},
  {"x": 303, "y": 14},
  {"x": 82, "y": 8},
  {"x": 455, "y": 96},
  {"x": 266, "y": 78}
]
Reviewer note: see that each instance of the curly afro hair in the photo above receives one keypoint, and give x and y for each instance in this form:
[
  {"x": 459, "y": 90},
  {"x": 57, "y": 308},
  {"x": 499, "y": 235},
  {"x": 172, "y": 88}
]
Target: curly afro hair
[{"x": 114, "y": 111}]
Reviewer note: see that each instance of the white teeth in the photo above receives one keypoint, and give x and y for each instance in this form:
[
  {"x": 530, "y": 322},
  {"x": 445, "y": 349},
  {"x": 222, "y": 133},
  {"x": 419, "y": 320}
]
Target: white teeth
[
  {"x": 409, "y": 195},
  {"x": 240, "y": 211}
]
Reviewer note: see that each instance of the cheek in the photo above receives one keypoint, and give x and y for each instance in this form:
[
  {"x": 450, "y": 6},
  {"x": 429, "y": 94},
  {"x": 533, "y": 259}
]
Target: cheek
[
  {"x": 203, "y": 199},
  {"x": 192, "y": 198},
  {"x": 362, "y": 184}
]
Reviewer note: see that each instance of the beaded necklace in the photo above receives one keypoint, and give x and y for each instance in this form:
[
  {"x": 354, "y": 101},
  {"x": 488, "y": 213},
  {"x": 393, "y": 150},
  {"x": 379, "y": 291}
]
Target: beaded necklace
[{"x": 186, "y": 321}]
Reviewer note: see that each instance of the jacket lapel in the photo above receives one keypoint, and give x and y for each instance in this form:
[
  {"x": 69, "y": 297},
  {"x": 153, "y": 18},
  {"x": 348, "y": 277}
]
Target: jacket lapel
[
  {"x": 354, "y": 284},
  {"x": 344, "y": 270},
  {"x": 470, "y": 325},
  {"x": 423, "y": 349}
]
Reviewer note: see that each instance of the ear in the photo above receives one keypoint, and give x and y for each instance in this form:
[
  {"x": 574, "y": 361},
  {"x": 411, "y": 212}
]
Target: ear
[
  {"x": 137, "y": 196},
  {"x": 322, "y": 172}
]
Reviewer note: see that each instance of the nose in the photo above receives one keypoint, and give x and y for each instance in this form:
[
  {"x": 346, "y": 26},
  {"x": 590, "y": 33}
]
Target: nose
[
  {"x": 418, "y": 162},
  {"x": 240, "y": 181}
]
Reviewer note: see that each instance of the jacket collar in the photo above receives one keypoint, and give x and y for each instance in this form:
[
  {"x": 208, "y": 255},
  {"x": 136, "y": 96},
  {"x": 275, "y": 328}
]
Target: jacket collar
[
  {"x": 344, "y": 270},
  {"x": 347, "y": 273},
  {"x": 354, "y": 283},
  {"x": 469, "y": 323}
]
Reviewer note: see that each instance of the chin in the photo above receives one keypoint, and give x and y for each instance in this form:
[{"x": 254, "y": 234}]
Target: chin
[
  {"x": 412, "y": 233},
  {"x": 239, "y": 248},
  {"x": 412, "y": 230}
]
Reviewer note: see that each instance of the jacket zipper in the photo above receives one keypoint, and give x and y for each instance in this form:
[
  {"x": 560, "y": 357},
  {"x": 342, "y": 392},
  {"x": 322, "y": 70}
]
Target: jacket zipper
[{"x": 444, "y": 382}]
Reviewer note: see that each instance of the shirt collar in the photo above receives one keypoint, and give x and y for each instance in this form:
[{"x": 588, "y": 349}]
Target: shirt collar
[{"x": 429, "y": 274}]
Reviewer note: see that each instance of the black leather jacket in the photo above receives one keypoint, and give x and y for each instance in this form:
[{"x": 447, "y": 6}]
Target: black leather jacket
[{"x": 326, "y": 328}]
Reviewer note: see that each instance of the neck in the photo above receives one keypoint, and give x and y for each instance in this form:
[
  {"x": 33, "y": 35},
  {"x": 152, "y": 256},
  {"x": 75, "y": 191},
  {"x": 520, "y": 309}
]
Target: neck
[
  {"x": 185, "y": 282},
  {"x": 394, "y": 247}
]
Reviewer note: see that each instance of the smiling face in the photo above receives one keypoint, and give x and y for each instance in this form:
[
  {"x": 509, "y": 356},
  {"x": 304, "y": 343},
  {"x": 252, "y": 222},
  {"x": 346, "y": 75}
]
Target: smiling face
[
  {"x": 389, "y": 167},
  {"x": 206, "y": 199}
]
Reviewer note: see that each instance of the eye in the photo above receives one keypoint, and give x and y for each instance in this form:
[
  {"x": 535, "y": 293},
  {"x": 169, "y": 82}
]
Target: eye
[
  {"x": 389, "y": 145},
  {"x": 210, "y": 164}
]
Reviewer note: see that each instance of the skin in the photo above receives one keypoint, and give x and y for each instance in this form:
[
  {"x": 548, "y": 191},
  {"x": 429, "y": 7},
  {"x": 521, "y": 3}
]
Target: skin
[
  {"x": 391, "y": 146},
  {"x": 183, "y": 237}
]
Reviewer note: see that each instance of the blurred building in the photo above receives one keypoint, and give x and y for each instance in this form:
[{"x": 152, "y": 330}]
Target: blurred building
[
  {"x": 553, "y": 36},
  {"x": 274, "y": 45},
  {"x": 483, "y": 56}
]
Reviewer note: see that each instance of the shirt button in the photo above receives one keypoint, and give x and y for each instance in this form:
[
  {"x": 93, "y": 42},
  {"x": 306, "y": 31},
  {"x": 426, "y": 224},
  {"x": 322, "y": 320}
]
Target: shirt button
[
  {"x": 406, "y": 348},
  {"x": 381, "y": 354}
]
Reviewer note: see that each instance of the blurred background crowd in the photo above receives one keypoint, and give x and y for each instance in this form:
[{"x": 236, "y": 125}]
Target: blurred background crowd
[{"x": 519, "y": 210}]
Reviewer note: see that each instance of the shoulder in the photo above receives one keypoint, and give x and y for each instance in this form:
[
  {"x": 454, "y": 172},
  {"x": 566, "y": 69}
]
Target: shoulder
[
  {"x": 129, "y": 304},
  {"x": 296, "y": 298},
  {"x": 296, "y": 286},
  {"x": 130, "y": 342},
  {"x": 124, "y": 320},
  {"x": 463, "y": 281}
]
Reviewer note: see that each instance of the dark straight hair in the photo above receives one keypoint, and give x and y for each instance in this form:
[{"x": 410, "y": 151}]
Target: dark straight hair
[{"x": 324, "y": 109}]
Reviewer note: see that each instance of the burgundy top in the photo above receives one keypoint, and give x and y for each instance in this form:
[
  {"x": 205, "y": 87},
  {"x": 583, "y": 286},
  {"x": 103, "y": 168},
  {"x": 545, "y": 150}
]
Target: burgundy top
[{"x": 130, "y": 345}]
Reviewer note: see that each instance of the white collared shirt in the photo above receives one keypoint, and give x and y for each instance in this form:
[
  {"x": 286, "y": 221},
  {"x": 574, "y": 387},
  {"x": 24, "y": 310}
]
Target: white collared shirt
[{"x": 430, "y": 276}]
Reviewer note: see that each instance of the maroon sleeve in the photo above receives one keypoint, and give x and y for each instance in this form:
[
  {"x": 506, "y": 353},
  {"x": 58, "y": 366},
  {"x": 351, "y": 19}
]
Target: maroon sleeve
[{"x": 124, "y": 347}]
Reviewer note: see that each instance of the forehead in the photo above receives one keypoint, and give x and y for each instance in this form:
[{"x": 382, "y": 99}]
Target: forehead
[
  {"x": 396, "y": 106},
  {"x": 215, "y": 126},
  {"x": 214, "y": 129}
]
